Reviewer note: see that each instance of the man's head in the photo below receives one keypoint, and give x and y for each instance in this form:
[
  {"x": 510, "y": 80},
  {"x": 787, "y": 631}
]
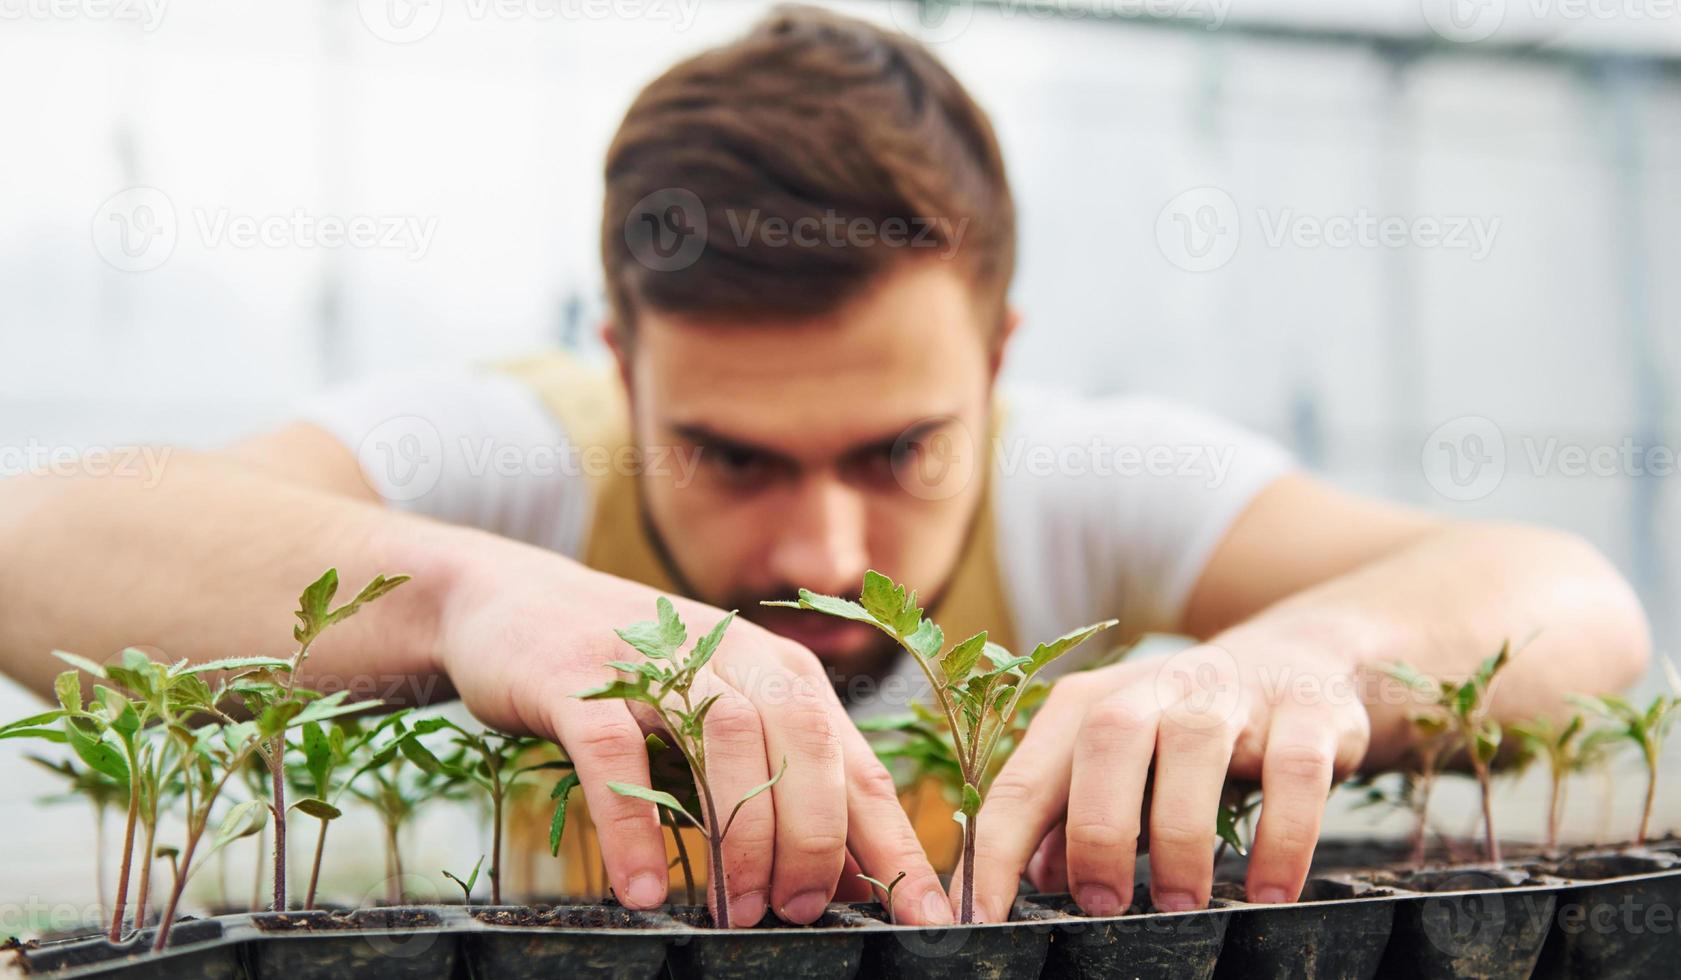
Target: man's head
[{"x": 808, "y": 238}]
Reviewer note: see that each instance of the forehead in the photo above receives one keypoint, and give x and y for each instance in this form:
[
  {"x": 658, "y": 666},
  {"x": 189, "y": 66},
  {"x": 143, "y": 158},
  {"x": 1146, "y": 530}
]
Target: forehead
[{"x": 909, "y": 349}]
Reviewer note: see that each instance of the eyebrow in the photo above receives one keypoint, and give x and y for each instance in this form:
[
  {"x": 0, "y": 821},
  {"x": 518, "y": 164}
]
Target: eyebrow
[{"x": 708, "y": 438}]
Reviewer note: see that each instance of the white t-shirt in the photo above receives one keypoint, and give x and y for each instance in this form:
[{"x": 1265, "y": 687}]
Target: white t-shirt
[{"x": 1105, "y": 507}]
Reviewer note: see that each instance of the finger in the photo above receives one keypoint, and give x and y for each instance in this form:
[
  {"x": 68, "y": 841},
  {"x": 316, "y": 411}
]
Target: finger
[
  {"x": 1023, "y": 802},
  {"x": 1106, "y": 799},
  {"x": 802, "y": 730},
  {"x": 1194, "y": 741},
  {"x": 879, "y": 834},
  {"x": 734, "y": 740},
  {"x": 607, "y": 745},
  {"x": 1048, "y": 868},
  {"x": 1298, "y": 768}
]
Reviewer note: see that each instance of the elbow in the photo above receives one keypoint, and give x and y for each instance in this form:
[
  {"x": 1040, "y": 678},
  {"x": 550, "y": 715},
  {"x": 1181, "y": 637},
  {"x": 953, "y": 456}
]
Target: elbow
[{"x": 1611, "y": 620}]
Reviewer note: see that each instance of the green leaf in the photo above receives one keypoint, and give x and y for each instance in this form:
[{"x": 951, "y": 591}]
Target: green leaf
[
  {"x": 961, "y": 659},
  {"x": 926, "y": 640},
  {"x": 755, "y": 791},
  {"x": 319, "y": 809},
  {"x": 421, "y": 756},
  {"x": 1045, "y": 653},
  {"x": 890, "y": 604},
  {"x": 98, "y": 753},
  {"x": 557, "y": 824},
  {"x": 44, "y": 718},
  {"x": 315, "y": 606},
  {"x": 708, "y": 644},
  {"x": 318, "y": 755},
  {"x": 656, "y": 797},
  {"x": 68, "y": 687},
  {"x": 833, "y": 606},
  {"x": 236, "y": 663},
  {"x": 971, "y": 799},
  {"x": 661, "y": 639},
  {"x": 27, "y": 731},
  {"x": 81, "y": 663},
  {"x": 275, "y": 717},
  {"x": 243, "y": 820},
  {"x": 472, "y": 879},
  {"x": 119, "y": 710},
  {"x": 620, "y": 690},
  {"x": 655, "y": 743},
  {"x": 380, "y": 586}
]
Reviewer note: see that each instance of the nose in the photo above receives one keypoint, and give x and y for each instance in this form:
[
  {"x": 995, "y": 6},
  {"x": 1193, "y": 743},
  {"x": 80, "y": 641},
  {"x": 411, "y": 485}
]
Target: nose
[{"x": 821, "y": 542}]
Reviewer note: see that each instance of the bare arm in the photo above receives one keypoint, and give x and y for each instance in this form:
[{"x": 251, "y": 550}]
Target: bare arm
[
  {"x": 1308, "y": 595},
  {"x": 209, "y": 562}
]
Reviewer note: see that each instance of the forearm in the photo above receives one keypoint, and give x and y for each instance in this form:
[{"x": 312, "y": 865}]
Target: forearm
[
  {"x": 1450, "y": 599},
  {"x": 210, "y": 562}
]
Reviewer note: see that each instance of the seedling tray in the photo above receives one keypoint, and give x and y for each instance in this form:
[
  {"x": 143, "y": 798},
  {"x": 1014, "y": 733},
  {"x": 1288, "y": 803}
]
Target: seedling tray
[{"x": 1608, "y": 913}]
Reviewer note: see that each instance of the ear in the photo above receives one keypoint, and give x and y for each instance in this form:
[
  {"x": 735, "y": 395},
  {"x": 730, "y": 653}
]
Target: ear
[
  {"x": 613, "y": 338},
  {"x": 1006, "y": 330}
]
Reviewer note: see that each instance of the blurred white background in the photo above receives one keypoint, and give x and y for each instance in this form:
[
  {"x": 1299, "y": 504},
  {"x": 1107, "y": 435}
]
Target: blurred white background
[{"x": 1525, "y": 152}]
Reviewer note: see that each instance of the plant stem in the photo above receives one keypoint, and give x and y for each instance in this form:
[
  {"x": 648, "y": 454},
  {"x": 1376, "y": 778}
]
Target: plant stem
[
  {"x": 1555, "y": 809},
  {"x": 1491, "y": 846},
  {"x": 175, "y": 891},
  {"x": 277, "y": 767},
  {"x": 967, "y": 914},
  {"x": 495, "y": 847},
  {"x": 257, "y": 875},
  {"x": 1421, "y": 810},
  {"x": 394, "y": 862},
  {"x": 715, "y": 843},
  {"x": 142, "y": 894},
  {"x": 315, "y": 867},
  {"x": 116, "y": 933},
  {"x": 1651, "y": 795},
  {"x": 99, "y": 857},
  {"x": 682, "y": 853}
]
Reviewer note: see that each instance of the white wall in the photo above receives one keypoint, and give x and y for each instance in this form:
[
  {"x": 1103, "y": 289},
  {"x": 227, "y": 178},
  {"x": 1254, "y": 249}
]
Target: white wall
[{"x": 493, "y": 127}]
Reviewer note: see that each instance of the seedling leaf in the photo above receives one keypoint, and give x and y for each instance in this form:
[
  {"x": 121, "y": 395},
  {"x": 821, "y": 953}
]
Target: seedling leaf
[
  {"x": 755, "y": 791},
  {"x": 656, "y": 797}
]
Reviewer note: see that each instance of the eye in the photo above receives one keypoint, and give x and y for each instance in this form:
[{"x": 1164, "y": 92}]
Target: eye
[
  {"x": 738, "y": 467},
  {"x": 886, "y": 466}
]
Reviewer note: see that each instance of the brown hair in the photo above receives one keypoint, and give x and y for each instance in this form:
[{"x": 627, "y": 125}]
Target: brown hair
[{"x": 810, "y": 117}]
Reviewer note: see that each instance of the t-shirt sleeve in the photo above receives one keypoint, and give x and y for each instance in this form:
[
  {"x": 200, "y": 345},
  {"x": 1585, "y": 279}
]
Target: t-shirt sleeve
[
  {"x": 466, "y": 445},
  {"x": 1112, "y": 507}
]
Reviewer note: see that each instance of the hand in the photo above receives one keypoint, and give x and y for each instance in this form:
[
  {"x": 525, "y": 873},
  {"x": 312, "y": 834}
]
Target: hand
[
  {"x": 521, "y": 638},
  {"x": 1069, "y": 805}
]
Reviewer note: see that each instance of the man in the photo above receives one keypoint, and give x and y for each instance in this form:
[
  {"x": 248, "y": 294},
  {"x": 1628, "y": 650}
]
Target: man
[{"x": 808, "y": 240}]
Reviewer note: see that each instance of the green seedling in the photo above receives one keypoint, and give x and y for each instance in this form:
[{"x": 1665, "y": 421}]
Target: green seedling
[
  {"x": 316, "y": 615},
  {"x": 467, "y": 886},
  {"x": 394, "y": 788},
  {"x": 976, "y": 685},
  {"x": 663, "y": 681},
  {"x": 1456, "y": 713},
  {"x": 885, "y": 890},
  {"x": 329, "y": 749},
  {"x": 1566, "y": 749},
  {"x": 1645, "y": 729},
  {"x": 485, "y": 760},
  {"x": 1232, "y": 822}
]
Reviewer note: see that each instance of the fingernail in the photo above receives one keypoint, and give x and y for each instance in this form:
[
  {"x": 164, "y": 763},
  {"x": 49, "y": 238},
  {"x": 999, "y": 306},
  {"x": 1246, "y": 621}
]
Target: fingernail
[
  {"x": 646, "y": 890},
  {"x": 1175, "y": 902},
  {"x": 1269, "y": 895},
  {"x": 936, "y": 910},
  {"x": 1099, "y": 900},
  {"x": 747, "y": 909},
  {"x": 805, "y": 907}
]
